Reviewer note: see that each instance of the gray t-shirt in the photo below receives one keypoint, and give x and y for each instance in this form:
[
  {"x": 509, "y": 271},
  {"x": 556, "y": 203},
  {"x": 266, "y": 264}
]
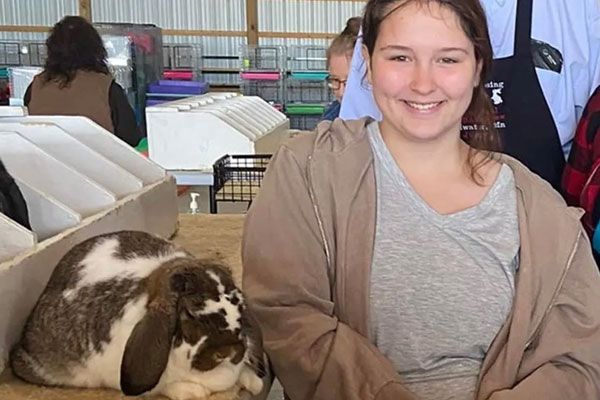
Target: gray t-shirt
[{"x": 441, "y": 285}]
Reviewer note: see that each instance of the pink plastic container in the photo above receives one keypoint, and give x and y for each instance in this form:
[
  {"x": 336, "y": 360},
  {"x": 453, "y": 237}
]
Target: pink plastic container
[{"x": 260, "y": 76}]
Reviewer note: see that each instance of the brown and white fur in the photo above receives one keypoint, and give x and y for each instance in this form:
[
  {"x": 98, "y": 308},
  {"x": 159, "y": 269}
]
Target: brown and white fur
[{"x": 131, "y": 311}]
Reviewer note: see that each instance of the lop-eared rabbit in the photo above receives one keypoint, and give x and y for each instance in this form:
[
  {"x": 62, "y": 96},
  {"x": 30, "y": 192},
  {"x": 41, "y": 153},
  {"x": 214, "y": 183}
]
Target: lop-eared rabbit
[{"x": 131, "y": 311}]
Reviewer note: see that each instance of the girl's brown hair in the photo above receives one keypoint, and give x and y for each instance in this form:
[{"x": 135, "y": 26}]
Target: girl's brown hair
[
  {"x": 73, "y": 45},
  {"x": 480, "y": 116},
  {"x": 343, "y": 44}
]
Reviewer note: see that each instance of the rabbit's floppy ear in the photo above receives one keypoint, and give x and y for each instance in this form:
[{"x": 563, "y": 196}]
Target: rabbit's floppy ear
[
  {"x": 147, "y": 352},
  {"x": 148, "y": 347}
]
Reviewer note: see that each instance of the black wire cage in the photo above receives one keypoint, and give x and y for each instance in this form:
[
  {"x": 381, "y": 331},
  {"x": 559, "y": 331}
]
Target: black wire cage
[
  {"x": 237, "y": 178},
  {"x": 269, "y": 91},
  {"x": 22, "y": 54},
  {"x": 305, "y": 122}
]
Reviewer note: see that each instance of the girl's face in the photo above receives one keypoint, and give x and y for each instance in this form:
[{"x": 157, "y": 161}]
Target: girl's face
[
  {"x": 339, "y": 66},
  {"x": 423, "y": 71}
]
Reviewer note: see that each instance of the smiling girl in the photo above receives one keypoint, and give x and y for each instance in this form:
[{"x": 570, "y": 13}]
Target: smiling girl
[{"x": 404, "y": 259}]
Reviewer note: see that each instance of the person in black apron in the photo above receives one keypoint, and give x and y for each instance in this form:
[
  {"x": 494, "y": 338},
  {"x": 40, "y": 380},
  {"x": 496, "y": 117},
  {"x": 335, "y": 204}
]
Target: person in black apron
[{"x": 523, "y": 117}]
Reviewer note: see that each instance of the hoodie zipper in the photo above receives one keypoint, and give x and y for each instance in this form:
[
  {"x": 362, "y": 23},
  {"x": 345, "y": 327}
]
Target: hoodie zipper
[{"x": 317, "y": 213}]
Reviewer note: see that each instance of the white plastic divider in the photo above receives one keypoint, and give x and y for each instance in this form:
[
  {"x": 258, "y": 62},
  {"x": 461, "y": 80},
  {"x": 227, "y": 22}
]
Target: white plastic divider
[
  {"x": 103, "y": 142},
  {"x": 234, "y": 119},
  {"x": 192, "y": 142},
  {"x": 31, "y": 165},
  {"x": 47, "y": 215},
  {"x": 13, "y": 111},
  {"x": 191, "y": 134},
  {"x": 64, "y": 147},
  {"x": 15, "y": 238}
]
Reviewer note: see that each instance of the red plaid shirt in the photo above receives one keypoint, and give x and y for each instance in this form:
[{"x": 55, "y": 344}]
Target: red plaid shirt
[{"x": 581, "y": 178}]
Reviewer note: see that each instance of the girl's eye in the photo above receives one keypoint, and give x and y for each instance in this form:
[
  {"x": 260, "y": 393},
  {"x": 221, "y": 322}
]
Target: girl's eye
[
  {"x": 448, "y": 60},
  {"x": 400, "y": 58}
]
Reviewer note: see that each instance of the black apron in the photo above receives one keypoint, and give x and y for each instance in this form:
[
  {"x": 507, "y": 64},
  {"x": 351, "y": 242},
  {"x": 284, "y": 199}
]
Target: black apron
[{"x": 523, "y": 117}]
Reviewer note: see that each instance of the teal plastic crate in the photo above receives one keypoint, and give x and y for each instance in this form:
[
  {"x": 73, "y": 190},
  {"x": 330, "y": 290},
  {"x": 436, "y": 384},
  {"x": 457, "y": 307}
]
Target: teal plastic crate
[{"x": 309, "y": 75}]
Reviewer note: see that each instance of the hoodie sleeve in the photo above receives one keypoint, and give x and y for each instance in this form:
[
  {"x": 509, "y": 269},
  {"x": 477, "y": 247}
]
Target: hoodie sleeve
[
  {"x": 286, "y": 282},
  {"x": 564, "y": 359}
]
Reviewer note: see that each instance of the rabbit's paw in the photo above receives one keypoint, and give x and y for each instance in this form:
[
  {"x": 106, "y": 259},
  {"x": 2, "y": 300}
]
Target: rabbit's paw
[
  {"x": 249, "y": 381},
  {"x": 186, "y": 391}
]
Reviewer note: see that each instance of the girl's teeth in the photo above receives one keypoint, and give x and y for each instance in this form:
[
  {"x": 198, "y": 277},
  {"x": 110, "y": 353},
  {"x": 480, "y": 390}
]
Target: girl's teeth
[{"x": 422, "y": 107}]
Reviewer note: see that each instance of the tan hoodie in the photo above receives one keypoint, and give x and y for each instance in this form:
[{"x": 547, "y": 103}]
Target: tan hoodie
[{"x": 307, "y": 251}]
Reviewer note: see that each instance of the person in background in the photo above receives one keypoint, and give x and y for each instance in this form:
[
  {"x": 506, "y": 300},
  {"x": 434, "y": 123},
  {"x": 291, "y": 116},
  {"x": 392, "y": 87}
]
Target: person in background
[
  {"x": 542, "y": 77},
  {"x": 76, "y": 81},
  {"x": 581, "y": 179},
  {"x": 404, "y": 259},
  {"x": 339, "y": 55}
]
